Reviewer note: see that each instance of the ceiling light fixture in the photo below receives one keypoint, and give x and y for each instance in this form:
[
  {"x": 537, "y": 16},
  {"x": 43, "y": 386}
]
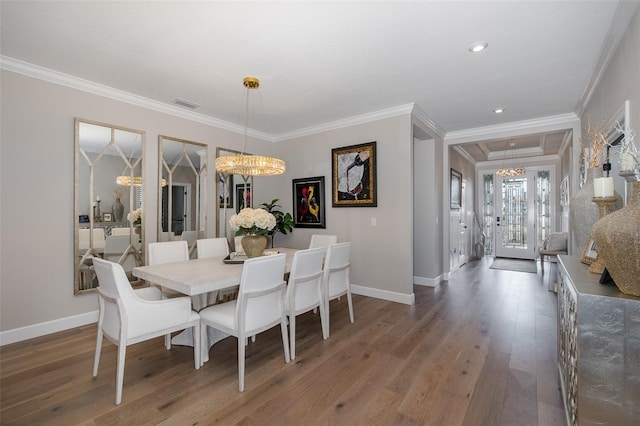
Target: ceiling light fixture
[
  {"x": 125, "y": 180},
  {"x": 510, "y": 171},
  {"x": 246, "y": 164},
  {"x": 499, "y": 110},
  {"x": 478, "y": 46}
]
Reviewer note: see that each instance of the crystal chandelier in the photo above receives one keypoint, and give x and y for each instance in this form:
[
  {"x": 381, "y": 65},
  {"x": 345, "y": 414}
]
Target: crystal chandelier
[
  {"x": 245, "y": 164},
  {"x": 125, "y": 180},
  {"x": 510, "y": 171}
]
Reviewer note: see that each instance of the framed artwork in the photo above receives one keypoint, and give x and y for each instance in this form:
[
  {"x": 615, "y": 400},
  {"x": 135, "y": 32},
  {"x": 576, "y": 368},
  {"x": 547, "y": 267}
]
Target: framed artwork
[
  {"x": 225, "y": 191},
  {"x": 354, "y": 181},
  {"x": 455, "y": 189},
  {"x": 308, "y": 203},
  {"x": 243, "y": 195},
  {"x": 106, "y": 217},
  {"x": 589, "y": 253}
]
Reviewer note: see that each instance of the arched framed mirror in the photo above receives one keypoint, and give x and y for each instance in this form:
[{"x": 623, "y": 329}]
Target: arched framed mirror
[
  {"x": 108, "y": 199},
  {"x": 233, "y": 192},
  {"x": 182, "y": 199}
]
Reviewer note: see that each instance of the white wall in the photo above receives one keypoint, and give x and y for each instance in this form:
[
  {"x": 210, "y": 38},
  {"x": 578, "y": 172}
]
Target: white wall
[{"x": 36, "y": 204}]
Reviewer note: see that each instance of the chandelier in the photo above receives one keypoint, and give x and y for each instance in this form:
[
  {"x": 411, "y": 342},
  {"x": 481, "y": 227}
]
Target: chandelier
[
  {"x": 135, "y": 181},
  {"x": 245, "y": 164},
  {"x": 510, "y": 171}
]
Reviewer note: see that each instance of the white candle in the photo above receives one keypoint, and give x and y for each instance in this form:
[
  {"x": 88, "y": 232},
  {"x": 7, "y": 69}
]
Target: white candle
[
  {"x": 603, "y": 187},
  {"x": 98, "y": 198}
]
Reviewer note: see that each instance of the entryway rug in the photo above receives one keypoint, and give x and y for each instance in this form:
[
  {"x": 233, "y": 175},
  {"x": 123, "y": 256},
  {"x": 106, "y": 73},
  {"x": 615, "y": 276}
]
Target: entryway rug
[{"x": 515, "y": 265}]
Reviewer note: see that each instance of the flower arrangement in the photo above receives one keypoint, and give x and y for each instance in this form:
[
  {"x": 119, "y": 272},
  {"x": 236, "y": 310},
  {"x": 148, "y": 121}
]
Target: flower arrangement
[
  {"x": 118, "y": 193},
  {"x": 135, "y": 217},
  {"x": 252, "y": 221}
]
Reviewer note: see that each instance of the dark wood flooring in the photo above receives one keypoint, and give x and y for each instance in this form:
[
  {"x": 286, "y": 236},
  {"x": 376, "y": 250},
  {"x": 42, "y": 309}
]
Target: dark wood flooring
[{"x": 479, "y": 349}]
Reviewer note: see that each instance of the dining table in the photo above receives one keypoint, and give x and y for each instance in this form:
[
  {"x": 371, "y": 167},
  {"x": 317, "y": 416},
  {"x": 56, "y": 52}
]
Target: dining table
[{"x": 199, "y": 278}]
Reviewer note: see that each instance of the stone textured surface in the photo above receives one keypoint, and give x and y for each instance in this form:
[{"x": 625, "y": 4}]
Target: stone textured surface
[{"x": 617, "y": 238}]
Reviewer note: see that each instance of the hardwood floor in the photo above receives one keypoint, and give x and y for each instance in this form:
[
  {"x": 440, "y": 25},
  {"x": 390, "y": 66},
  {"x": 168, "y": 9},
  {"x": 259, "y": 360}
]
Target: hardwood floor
[{"x": 479, "y": 349}]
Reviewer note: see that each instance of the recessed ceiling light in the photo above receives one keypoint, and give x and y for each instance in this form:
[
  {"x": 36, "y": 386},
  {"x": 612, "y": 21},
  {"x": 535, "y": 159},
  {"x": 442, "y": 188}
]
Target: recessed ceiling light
[
  {"x": 478, "y": 46},
  {"x": 499, "y": 110}
]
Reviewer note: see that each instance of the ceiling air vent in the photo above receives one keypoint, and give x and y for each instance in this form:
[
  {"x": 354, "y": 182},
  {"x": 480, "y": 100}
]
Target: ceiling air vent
[{"x": 185, "y": 103}]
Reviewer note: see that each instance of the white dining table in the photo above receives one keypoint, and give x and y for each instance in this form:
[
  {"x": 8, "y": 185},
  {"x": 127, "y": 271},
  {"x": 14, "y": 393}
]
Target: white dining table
[{"x": 198, "y": 278}]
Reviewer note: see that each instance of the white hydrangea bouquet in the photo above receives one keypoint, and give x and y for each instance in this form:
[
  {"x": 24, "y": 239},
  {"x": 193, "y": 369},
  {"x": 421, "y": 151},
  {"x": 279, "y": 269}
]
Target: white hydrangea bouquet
[
  {"x": 135, "y": 216},
  {"x": 252, "y": 222}
]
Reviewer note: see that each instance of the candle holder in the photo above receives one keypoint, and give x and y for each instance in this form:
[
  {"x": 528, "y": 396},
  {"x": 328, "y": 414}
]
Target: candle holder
[{"x": 604, "y": 208}]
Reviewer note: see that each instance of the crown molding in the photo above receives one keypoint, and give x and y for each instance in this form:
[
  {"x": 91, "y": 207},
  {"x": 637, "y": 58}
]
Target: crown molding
[
  {"x": 427, "y": 123},
  {"x": 622, "y": 17},
  {"x": 55, "y": 77},
  {"x": 516, "y": 128},
  {"x": 346, "y": 122},
  {"x": 464, "y": 154}
]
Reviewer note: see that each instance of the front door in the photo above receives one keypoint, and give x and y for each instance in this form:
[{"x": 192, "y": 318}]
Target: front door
[{"x": 515, "y": 218}]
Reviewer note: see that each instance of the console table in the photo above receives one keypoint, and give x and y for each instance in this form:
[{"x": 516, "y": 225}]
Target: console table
[{"x": 598, "y": 348}]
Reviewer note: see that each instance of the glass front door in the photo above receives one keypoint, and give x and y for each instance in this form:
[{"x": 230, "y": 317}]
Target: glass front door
[{"x": 515, "y": 219}]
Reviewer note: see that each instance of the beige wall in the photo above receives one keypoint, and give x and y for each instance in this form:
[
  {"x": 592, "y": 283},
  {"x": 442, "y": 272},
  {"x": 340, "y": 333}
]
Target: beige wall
[
  {"x": 383, "y": 253},
  {"x": 619, "y": 83},
  {"x": 37, "y": 217}
]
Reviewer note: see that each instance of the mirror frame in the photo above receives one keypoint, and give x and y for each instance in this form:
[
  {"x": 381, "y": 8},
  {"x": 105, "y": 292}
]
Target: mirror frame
[
  {"x": 82, "y": 262},
  {"x": 200, "y": 186},
  {"x": 220, "y": 152}
]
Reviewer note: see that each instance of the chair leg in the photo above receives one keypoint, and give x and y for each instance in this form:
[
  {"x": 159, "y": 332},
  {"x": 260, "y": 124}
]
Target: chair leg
[
  {"x": 323, "y": 320},
  {"x": 285, "y": 338},
  {"x": 122, "y": 352},
  {"x": 241, "y": 349},
  {"x": 292, "y": 336},
  {"x": 542, "y": 263},
  {"x": 197, "y": 345},
  {"x": 325, "y": 329},
  {"x": 96, "y": 358},
  {"x": 350, "y": 302}
]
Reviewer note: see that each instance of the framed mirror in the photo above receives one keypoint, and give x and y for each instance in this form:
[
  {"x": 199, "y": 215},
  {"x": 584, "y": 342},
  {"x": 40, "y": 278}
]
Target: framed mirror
[
  {"x": 229, "y": 188},
  {"x": 182, "y": 199},
  {"x": 108, "y": 199}
]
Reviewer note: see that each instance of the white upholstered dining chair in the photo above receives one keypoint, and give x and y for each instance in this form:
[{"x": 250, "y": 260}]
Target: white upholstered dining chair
[
  {"x": 259, "y": 307},
  {"x": 214, "y": 247},
  {"x": 130, "y": 316},
  {"x": 322, "y": 240},
  {"x": 167, "y": 252},
  {"x": 304, "y": 291},
  {"x": 336, "y": 280}
]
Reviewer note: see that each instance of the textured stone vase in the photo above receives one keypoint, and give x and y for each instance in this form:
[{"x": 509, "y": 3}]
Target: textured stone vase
[
  {"x": 118, "y": 210},
  {"x": 253, "y": 245},
  {"x": 584, "y": 212},
  {"x": 617, "y": 238}
]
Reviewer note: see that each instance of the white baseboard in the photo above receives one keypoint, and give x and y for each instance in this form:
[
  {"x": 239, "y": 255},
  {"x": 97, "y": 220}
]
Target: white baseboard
[
  {"x": 44, "y": 328},
  {"x": 407, "y": 299},
  {"x": 429, "y": 282}
]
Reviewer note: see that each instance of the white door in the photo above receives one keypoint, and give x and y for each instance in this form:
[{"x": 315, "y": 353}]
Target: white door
[{"x": 515, "y": 216}]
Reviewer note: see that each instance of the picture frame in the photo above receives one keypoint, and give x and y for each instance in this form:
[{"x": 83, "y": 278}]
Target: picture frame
[
  {"x": 225, "y": 186},
  {"x": 107, "y": 217},
  {"x": 308, "y": 203},
  {"x": 589, "y": 254},
  {"x": 354, "y": 176},
  {"x": 455, "y": 189},
  {"x": 240, "y": 196},
  {"x": 83, "y": 218}
]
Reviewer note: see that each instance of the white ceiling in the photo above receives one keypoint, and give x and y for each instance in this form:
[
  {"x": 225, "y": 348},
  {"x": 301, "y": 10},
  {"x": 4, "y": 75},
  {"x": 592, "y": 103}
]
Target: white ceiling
[{"x": 321, "y": 62}]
